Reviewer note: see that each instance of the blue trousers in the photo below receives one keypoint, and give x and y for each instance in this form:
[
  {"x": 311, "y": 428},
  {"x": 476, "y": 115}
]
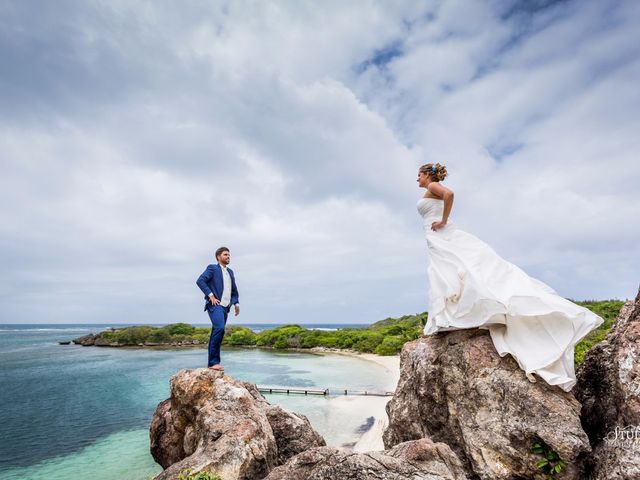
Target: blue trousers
[{"x": 218, "y": 316}]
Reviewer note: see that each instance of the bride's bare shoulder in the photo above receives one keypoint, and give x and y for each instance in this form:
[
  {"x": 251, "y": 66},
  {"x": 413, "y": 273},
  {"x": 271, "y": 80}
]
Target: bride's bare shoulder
[{"x": 437, "y": 190}]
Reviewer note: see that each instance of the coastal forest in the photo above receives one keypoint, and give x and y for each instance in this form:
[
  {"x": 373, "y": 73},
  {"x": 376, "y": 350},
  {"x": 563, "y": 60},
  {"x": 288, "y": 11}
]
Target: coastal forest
[{"x": 385, "y": 337}]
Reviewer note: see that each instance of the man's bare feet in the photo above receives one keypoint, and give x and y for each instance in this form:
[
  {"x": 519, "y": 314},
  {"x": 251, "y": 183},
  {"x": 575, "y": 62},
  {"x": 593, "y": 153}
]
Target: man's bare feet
[{"x": 217, "y": 367}]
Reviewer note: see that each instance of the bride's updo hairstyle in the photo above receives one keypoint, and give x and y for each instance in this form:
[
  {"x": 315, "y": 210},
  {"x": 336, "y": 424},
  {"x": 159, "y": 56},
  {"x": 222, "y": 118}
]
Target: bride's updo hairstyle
[{"x": 435, "y": 171}]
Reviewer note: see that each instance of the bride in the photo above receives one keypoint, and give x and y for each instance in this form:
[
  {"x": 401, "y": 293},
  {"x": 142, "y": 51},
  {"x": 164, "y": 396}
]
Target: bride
[{"x": 471, "y": 286}]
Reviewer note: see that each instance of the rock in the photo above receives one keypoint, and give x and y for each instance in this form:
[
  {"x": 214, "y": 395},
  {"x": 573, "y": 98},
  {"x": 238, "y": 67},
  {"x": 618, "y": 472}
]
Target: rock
[
  {"x": 211, "y": 423},
  {"x": 609, "y": 389},
  {"x": 456, "y": 389},
  {"x": 166, "y": 431},
  {"x": 85, "y": 341},
  {"x": 100, "y": 341},
  {"x": 293, "y": 431},
  {"x": 216, "y": 424},
  {"x": 416, "y": 460}
]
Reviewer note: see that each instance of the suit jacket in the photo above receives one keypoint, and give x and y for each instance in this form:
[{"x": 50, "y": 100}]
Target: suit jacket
[{"x": 211, "y": 282}]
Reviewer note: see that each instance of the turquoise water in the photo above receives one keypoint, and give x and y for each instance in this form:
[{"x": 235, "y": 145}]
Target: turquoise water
[{"x": 83, "y": 412}]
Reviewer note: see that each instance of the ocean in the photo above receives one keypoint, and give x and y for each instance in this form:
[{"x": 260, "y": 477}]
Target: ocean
[{"x": 68, "y": 411}]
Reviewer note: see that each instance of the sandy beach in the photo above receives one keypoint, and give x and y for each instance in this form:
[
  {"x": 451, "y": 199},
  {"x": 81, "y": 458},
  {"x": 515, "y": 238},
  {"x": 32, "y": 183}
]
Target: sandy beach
[
  {"x": 371, "y": 439},
  {"x": 390, "y": 363}
]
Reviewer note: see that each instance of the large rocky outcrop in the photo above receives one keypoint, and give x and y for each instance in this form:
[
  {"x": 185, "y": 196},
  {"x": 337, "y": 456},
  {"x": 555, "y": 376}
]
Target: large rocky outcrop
[
  {"x": 459, "y": 411},
  {"x": 216, "y": 424},
  {"x": 609, "y": 389},
  {"x": 416, "y": 460},
  {"x": 455, "y": 388}
]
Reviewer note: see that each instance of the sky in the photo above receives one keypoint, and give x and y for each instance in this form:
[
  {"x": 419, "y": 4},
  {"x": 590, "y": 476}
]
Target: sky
[{"x": 137, "y": 137}]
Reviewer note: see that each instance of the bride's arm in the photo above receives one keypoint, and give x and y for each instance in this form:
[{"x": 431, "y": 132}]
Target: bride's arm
[{"x": 447, "y": 196}]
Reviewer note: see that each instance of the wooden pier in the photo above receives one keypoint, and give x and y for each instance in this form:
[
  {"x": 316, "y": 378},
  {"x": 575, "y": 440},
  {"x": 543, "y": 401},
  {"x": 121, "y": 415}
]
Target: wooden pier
[{"x": 321, "y": 391}]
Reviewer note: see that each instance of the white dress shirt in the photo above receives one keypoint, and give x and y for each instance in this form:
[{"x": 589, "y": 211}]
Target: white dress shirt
[{"x": 226, "y": 287}]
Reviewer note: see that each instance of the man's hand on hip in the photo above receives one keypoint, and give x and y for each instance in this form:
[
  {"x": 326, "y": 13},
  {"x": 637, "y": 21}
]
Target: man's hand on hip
[
  {"x": 237, "y": 310},
  {"x": 214, "y": 300}
]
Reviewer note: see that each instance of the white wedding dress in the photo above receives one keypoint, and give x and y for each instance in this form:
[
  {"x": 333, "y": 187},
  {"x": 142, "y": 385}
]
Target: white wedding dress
[{"x": 471, "y": 286}]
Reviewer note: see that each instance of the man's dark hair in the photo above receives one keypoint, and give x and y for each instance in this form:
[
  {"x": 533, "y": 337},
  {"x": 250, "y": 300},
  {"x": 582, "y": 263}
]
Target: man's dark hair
[{"x": 220, "y": 251}]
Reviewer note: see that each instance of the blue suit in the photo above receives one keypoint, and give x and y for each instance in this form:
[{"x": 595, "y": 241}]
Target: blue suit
[{"x": 211, "y": 281}]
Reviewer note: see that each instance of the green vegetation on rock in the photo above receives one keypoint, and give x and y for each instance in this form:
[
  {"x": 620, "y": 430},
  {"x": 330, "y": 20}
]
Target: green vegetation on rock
[
  {"x": 187, "y": 475},
  {"x": 608, "y": 310},
  {"x": 384, "y": 338},
  {"x": 551, "y": 463},
  {"x": 174, "y": 333}
]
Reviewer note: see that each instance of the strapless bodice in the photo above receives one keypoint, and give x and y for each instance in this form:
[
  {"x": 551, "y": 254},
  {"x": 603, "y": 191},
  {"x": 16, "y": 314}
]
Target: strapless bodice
[{"x": 430, "y": 208}]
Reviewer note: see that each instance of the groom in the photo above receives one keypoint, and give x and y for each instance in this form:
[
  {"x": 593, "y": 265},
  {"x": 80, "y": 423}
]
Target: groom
[{"x": 218, "y": 284}]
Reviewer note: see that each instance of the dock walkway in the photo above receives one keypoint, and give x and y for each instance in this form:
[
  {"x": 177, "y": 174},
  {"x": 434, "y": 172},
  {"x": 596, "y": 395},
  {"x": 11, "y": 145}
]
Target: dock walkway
[{"x": 321, "y": 391}]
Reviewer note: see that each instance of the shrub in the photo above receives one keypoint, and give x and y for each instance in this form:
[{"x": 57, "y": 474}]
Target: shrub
[
  {"x": 310, "y": 341},
  {"x": 368, "y": 341},
  {"x": 179, "y": 329},
  {"x": 133, "y": 335},
  {"x": 551, "y": 463},
  {"x": 281, "y": 343},
  {"x": 202, "y": 338},
  {"x": 608, "y": 310},
  {"x": 159, "y": 336},
  {"x": 241, "y": 336},
  {"x": 187, "y": 475},
  {"x": 390, "y": 346}
]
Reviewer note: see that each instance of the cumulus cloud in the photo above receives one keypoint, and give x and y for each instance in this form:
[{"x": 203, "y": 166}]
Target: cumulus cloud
[{"x": 136, "y": 138}]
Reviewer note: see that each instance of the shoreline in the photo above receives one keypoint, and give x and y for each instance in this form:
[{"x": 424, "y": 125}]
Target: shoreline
[
  {"x": 368, "y": 440},
  {"x": 391, "y": 363},
  {"x": 371, "y": 439}
]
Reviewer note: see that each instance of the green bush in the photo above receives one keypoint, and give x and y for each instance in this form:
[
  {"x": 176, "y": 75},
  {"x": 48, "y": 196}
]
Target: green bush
[
  {"x": 367, "y": 341},
  {"x": 608, "y": 310},
  {"x": 159, "y": 336},
  {"x": 281, "y": 343},
  {"x": 327, "y": 340},
  {"x": 241, "y": 336},
  {"x": 202, "y": 338},
  {"x": 107, "y": 335},
  {"x": 551, "y": 464},
  {"x": 179, "y": 329},
  {"x": 132, "y": 335},
  {"x": 310, "y": 341},
  {"x": 187, "y": 475},
  {"x": 390, "y": 345},
  {"x": 347, "y": 338}
]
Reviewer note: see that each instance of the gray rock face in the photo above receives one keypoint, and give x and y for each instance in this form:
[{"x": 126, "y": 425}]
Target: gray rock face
[
  {"x": 416, "y": 460},
  {"x": 456, "y": 389},
  {"x": 293, "y": 431},
  {"x": 167, "y": 433},
  {"x": 216, "y": 424},
  {"x": 609, "y": 389},
  {"x": 85, "y": 341}
]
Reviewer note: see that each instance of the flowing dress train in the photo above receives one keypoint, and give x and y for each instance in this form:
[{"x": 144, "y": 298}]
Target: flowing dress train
[{"x": 471, "y": 286}]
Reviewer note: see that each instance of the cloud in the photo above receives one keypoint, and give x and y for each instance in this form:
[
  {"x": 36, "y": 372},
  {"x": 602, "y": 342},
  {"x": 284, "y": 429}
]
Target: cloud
[{"x": 137, "y": 138}]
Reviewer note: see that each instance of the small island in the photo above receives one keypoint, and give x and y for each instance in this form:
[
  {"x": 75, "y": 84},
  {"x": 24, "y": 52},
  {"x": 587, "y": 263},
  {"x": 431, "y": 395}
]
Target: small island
[{"x": 385, "y": 337}]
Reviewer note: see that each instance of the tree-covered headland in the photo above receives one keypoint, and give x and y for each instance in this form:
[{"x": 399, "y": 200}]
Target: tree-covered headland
[{"x": 385, "y": 337}]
